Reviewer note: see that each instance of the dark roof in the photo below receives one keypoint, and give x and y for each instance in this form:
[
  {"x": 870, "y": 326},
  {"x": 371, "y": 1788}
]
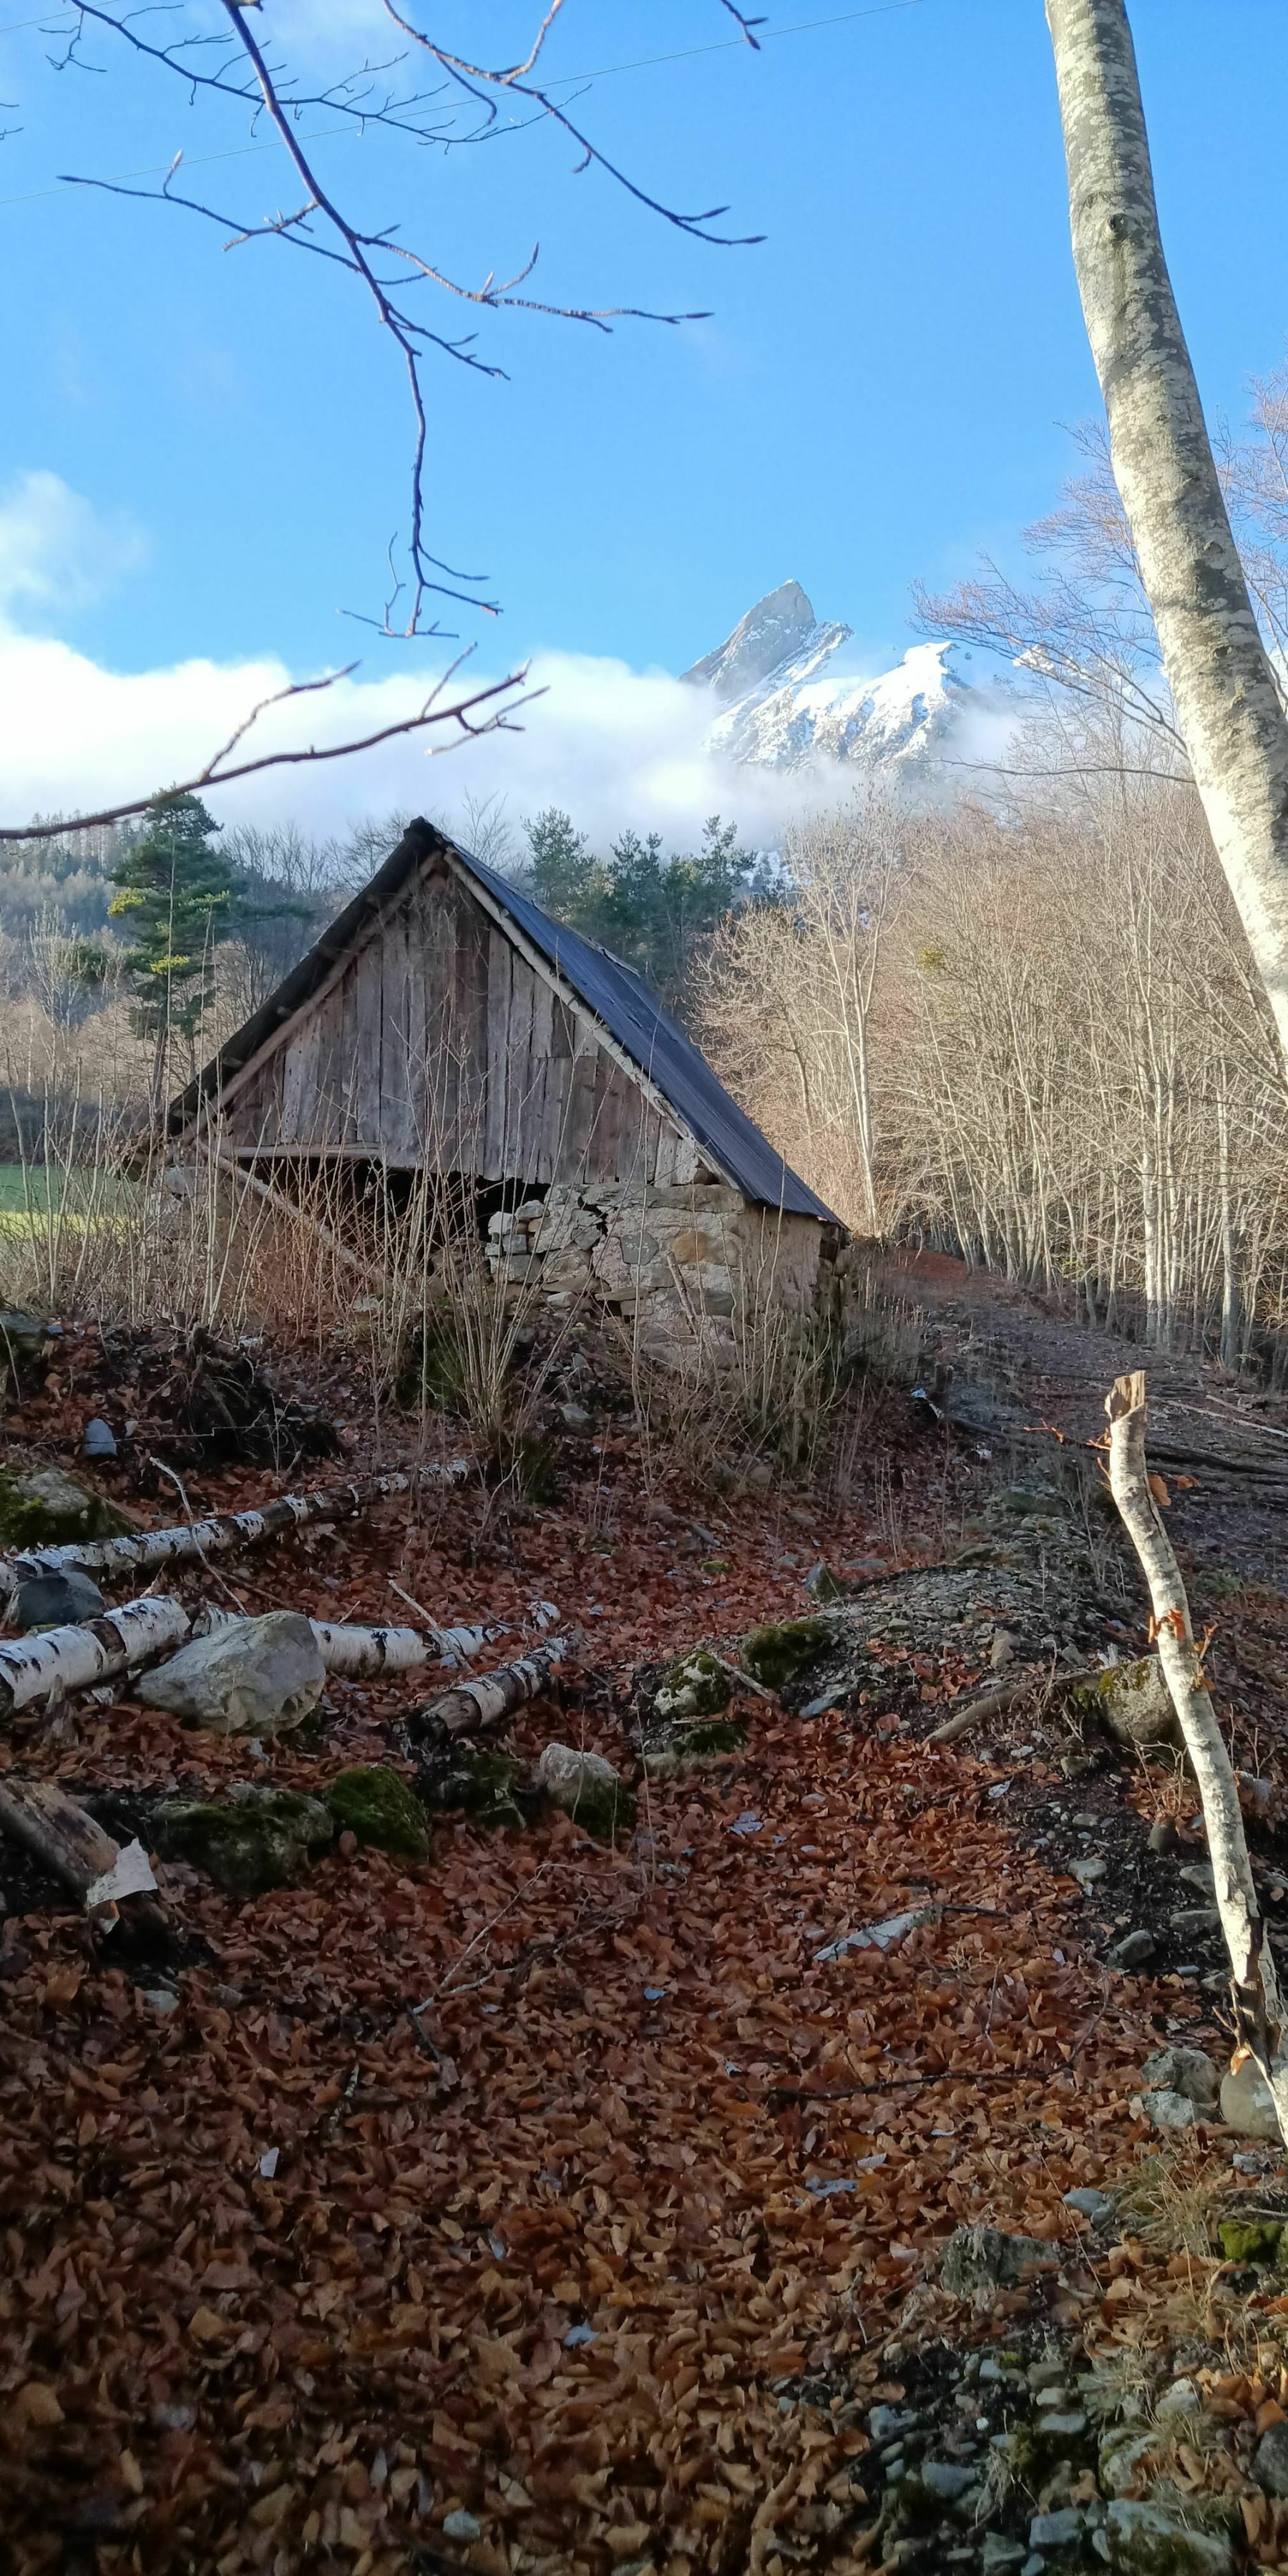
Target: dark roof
[{"x": 617, "y": 996}]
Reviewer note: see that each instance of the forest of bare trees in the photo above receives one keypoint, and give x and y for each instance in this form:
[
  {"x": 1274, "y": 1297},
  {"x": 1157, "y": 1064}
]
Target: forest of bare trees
[{"x": 1037, "y": 1040}]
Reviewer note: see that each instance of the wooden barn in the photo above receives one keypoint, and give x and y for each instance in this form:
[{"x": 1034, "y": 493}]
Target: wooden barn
[{"x": 444, "y": 1024}]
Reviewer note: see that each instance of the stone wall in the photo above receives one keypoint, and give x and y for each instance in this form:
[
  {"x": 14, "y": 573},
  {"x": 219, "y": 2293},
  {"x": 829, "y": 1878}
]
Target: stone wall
[{"x": 680, "y": 1262}]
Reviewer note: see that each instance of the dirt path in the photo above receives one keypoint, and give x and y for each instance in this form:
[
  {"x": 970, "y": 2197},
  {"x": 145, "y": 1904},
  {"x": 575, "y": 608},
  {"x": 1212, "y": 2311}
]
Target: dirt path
[{"x": 1040, "y": 1368}]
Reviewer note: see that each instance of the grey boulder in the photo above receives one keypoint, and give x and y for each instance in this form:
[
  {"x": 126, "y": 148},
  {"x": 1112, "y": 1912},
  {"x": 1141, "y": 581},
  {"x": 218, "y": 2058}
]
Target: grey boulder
[
  {"x": 60, "y": 1599},
  {"x": 1134, "y": 1702},
  {"x": 1135, "y": 1950},
  {"x": 259, "y": 1677},
  {"x": 976, "y": 2261},
  {"x": 1246, "y": 2105},
  {"x": 1270, "y": 2460},
  {"x": 1144, "y": 2540},
  {"x": 1184, "y": 2070}
]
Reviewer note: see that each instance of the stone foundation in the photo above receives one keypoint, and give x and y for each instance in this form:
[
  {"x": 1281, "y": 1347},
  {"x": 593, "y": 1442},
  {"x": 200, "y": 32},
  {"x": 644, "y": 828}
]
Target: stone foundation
[{"x": 679, "y": 1262}]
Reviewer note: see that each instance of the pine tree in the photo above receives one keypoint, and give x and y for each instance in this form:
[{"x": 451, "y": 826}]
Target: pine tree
[{"x": 175, "y": 890}]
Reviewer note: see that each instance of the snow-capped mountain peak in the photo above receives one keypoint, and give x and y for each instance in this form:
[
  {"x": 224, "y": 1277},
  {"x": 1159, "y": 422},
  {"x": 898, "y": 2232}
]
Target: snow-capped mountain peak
[{"x": 780, "y": 713}]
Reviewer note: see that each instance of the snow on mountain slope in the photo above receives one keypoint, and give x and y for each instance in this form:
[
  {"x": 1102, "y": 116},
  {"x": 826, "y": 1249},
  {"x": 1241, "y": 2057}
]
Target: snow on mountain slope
[
  {"x": 783, "y": 713},
  {"x": 774, "y": 631}
]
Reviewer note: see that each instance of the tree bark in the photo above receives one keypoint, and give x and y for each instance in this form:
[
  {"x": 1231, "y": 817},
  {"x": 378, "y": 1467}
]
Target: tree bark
[
  {"x": 223, "y": 1531},
  {"x": 494, "y": 1696},
  {"x": 75, "y": 1658},
  {"x": 1228, "y": 707},
  {"x": 1254, "y": 1982},
  {"x": 74, "y": 1846},
  {"x": 358, "y": 1654}
]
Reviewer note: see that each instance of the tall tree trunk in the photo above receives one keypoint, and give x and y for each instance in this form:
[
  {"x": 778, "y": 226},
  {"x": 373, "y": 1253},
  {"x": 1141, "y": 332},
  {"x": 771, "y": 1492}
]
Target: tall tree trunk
[
  {"x": 1261, "y": 2025},
  {"x": 1222, "y": 684}
]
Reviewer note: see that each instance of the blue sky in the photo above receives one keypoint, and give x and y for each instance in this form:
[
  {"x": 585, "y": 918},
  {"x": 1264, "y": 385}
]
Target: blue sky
[{"x": 878, "y": 397}]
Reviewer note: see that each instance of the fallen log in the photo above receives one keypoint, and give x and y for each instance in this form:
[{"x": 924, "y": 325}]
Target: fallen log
[
  {"x": 73, "y": 1845},
  {"x": 493, "y": 1696},
  {"x": 75, "y": 1658},
  {"x": 221, "y": 1532},
  {"x": 357, "y": 1654},
  {"x": 995, "y": 1703}
]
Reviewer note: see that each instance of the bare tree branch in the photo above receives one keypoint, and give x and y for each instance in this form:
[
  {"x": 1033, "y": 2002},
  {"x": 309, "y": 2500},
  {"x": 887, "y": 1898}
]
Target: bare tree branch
[
  {"x": 216, "y": 774},
  {"x": 243, "y": 73}
]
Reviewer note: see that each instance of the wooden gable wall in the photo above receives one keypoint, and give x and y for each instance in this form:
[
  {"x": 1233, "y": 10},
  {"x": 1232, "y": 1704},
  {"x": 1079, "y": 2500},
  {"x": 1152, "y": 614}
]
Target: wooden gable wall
[{"x": 436, "y": 1043}]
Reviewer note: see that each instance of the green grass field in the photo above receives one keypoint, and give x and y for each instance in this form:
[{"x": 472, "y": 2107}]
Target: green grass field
[{"x": 28, "y": 1197}]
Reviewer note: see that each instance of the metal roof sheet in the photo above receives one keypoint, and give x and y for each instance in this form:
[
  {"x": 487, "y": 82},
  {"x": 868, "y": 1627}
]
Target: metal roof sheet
[{"x": 612, "y": 991}]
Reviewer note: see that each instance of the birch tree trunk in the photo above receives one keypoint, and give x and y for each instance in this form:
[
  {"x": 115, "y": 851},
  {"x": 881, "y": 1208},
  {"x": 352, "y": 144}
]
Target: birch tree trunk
[
  {"x": 76, "y": 1658},
  {"x": 1227, "y": 705},
  {"x": 1254, "y": 1982},
  {"x": 196, "y": 1540}
]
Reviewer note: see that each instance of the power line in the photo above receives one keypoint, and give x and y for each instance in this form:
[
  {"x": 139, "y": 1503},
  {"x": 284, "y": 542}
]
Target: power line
[
  {"x": 732, "y": 44},
  {"x": 646, "y": 62}
]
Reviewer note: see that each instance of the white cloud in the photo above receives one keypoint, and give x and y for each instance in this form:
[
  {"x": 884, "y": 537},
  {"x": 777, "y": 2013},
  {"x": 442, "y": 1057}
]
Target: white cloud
[
  {"x": 57, "y": 552},
  {"x": 618, "y": 748},
  {"x": 614, "y": 746}
]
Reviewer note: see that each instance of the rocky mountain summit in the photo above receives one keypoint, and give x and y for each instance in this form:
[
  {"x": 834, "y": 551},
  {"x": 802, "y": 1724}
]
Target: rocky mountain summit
[{"x": 788, "y": 699}]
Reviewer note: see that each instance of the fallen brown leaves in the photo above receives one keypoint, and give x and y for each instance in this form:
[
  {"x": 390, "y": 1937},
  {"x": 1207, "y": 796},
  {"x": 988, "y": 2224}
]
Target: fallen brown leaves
[{"x": 462, "y": 2191}]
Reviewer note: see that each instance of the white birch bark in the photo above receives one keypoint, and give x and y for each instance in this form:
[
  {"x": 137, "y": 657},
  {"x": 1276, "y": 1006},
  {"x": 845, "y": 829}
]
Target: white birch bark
[
  {"x": 358, "y": 1654},
  {"x": 1223, "y": 687},
  {"x": 497, "y": 1695},
  {"x": 75, "y": 1658},
  {"x": 192, "y": 1541},
  {"x": 1258, "y": 2005}
]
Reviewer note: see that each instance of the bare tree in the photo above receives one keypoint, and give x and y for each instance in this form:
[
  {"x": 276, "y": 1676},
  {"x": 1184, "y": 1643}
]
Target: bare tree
[
  {"x": 1219, "y": 673},
  {"x": 236, "y": 68}
]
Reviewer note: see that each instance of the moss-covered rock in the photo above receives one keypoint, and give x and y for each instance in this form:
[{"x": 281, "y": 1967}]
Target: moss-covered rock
[
  {"x": 245, "y": 1844},
  {"x": 47, "y": 1508},
  {"x": 778, "y": 1655},
  {"x": 486, "y": 1786},
  {"x": 1251, "y": 2240},
  {"x": 588, "y": 1789},
  {"x": 691, "y": 1748},
  {"x": 376, "y": 1804},
  {"x": 1134, "y": 1702},
  {"x": 694, "y": 1686}
]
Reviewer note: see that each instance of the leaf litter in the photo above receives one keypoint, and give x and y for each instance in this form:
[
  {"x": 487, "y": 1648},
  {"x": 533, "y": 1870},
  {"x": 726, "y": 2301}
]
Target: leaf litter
[{"x": 511, "y": 2202}]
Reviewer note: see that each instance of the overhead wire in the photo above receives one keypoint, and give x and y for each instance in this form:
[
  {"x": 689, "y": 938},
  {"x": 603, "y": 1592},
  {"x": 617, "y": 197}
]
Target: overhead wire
[{"x": 562, "y": 80}]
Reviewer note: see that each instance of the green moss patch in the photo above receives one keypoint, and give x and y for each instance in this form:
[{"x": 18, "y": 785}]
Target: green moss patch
[
  {"x": 483, "y": 1785},
  {"x": 776, "y": 1656},
  {"x": 47, "y": 1508},
  {"x": 694, "y": 1686},
  {"x": 691, "y": 1748},
  {"x": 376, "y": 1804},
  {"x": 1251, "y": 2240},
  {"x": 246, "y": 1845}
]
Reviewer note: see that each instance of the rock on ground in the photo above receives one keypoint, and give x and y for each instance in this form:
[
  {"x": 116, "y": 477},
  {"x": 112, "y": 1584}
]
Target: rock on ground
[
  {"x": 1189, "y": 2071},
  {"x": 260, "y": 1677},
  {"x": 1144, "y": 2540},
  {"x": 1246, "y": 2105},
  {"x": 60, "y": 1600},
  {"x": 376, "y": 1804},
  {"x": 977, "y": 2261},
  {"x": 48, "y": 1508},
  {"x": 248, "y": 1843},
  {"x": 587, "y": 1788},
  {"x": 1134, "y": 1702}
]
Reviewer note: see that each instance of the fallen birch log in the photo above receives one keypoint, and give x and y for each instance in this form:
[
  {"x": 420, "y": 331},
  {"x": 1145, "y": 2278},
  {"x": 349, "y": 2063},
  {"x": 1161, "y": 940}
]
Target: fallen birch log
[
  {"x": 494, "y": 1696},
  {"x": 73, "y": 1845},
  {"x": 357, "y": 1654},
  {"x": 221, "y": 1532},
  {"x": 75, "y": 1658},
  {"x": 1254, "y": 1983}
]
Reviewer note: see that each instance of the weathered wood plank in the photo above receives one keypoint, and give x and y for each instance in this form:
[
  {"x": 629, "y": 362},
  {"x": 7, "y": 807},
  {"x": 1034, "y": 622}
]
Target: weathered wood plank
[{"x": 499, "y": 985}]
